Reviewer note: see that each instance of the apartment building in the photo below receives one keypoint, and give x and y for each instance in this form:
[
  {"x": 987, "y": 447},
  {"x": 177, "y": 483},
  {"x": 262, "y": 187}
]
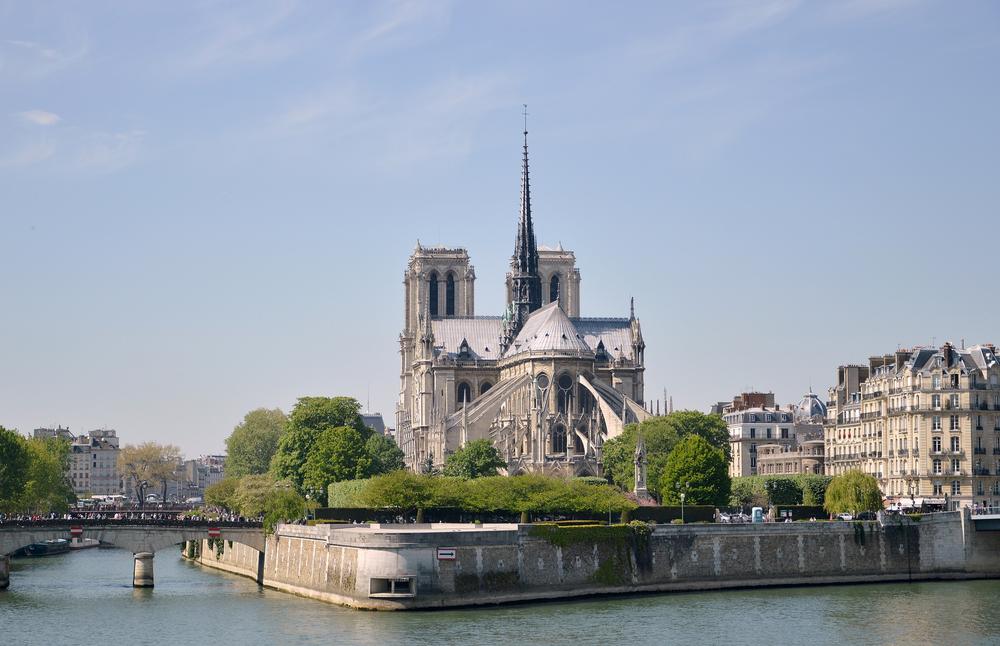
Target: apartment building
[{"x": 925, "y": 422}]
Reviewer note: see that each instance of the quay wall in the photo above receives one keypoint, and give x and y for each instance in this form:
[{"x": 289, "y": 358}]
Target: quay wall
[{"x": 508, "y": 563}]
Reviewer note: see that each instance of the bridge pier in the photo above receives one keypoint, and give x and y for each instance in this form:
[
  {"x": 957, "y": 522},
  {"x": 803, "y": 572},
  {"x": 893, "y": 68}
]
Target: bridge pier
[
  {"x": 4, "y": 571},
  {"x": 142, "y": 570}
]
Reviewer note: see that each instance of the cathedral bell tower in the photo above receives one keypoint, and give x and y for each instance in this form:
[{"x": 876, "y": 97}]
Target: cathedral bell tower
[{"x": 526, "y": 286}]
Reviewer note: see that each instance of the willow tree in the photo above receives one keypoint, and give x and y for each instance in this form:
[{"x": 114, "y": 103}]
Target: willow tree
[{"x": 853, "y": 492}]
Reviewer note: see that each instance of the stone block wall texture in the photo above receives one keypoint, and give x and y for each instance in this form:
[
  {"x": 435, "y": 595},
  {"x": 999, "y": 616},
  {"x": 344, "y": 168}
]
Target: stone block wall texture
[{"x": 509, "y": 563}]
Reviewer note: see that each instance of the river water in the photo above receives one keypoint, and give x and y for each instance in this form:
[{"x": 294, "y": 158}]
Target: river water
[{"x": 86, "y": 598}]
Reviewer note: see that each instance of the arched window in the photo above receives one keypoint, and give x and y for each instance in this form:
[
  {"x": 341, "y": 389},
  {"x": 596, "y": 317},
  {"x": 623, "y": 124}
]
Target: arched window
[
  {"x": 464, "y": 393},
  {"x": 564, "y": 397},
  {"x": 486, "y": 386},
  {"x": 449, "y": 295},
  {"x": 577, "y": 442},
  {"x": 559, "y": 439},
  {"x": 554, "y": 288},
  {"x": 432, "y": 292}
]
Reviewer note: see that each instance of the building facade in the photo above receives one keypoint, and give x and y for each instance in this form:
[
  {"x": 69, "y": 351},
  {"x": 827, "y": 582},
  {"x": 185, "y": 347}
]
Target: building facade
[
  {"x": 755, "y": 421},
  {"x": 93, "y": 466},
  {"x": 544, "y": 385},
  {"x": 924, "y": 422}
]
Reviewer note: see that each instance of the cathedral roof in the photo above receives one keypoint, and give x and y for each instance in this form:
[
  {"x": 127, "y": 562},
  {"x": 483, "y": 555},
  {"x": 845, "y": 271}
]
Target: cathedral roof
[
  {"x": 549, "y": 330},
  {"x": 481, "y": 333}
]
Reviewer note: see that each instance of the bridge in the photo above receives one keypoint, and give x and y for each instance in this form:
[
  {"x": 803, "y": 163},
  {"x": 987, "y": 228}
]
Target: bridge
[{"x": 141, "y": 536}]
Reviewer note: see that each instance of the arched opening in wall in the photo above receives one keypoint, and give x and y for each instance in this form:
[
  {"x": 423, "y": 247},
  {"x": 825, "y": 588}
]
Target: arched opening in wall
[
  {"x": 577, "y": 442},
  {"x": 485, "y": 387},
  {"x": 432, "y": 293},
  {"x": 554, "y": 288},
  {"x": 464, "y": 394},
  {"x": 564, "y": 397},
  {"x": 559, "y": 439},
  {"x": 449, "y": 295}
]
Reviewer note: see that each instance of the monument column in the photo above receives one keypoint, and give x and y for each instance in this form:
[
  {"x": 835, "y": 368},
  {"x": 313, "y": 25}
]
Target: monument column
[{"x": 142, "y": 570}]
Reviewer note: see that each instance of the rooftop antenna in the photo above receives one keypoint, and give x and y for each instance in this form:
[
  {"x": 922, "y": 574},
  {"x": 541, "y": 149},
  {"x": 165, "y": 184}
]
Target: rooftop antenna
[{"x": 524, "y": 113}]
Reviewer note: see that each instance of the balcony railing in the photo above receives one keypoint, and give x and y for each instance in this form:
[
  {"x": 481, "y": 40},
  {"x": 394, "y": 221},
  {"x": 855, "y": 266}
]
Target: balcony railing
[{"x": 979, "y": 450}]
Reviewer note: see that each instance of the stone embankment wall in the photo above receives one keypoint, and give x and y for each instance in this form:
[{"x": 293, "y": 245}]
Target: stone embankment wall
[{"x": 399, "y": 567}]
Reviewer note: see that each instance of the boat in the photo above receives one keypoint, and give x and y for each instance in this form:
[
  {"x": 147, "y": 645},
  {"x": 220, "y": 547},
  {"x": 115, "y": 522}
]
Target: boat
[
  {"x": 83, "y": 543},
  {"x": 47, "y": 548}
]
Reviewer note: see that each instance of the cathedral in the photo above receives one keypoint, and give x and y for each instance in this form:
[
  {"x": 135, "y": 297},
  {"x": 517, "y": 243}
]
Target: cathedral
[{"x": 546, "y": 386}]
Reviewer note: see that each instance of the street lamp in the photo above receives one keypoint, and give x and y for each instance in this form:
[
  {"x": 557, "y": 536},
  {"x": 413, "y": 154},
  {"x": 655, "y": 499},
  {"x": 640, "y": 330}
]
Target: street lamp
[{"x": 682, "y": 508}]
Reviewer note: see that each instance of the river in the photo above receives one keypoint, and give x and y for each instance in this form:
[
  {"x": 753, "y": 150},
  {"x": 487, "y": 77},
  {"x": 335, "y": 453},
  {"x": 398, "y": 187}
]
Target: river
[{"x": 87, "y": 598}]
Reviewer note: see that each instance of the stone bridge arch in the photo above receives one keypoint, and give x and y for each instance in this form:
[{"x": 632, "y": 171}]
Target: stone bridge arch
[{"x": 142, "y": 540}]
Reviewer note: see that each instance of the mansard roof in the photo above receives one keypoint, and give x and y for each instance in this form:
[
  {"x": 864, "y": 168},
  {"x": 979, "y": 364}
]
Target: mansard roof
[{"x": 549, "y": 330}]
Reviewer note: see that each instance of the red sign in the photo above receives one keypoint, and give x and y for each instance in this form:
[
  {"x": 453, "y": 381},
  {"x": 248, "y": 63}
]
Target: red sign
[
  {"x": 76, "y": 530},
  {"x": 214, "y": 532}
]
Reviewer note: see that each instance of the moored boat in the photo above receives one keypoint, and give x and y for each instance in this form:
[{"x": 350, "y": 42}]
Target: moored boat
[
  {"x": 83, "y": 543},
  {"x": 47, "y": 548}
]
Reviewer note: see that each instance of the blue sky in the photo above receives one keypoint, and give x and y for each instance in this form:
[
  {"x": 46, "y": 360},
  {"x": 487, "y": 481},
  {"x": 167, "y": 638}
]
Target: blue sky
[{"x": 208, "y": 207}]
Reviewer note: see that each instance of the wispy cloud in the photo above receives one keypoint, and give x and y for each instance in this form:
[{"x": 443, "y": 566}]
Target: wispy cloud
[
  {"x": 858, "y": 9},
  {"x": 249, "y": 33},
  {"x": 28, "y": 154},
  {"x": 105, "y": 152},
  {"x": 40, "y": 117},
  {"x": 399, "y": 23},
  {"x": 30, "y": 59}
]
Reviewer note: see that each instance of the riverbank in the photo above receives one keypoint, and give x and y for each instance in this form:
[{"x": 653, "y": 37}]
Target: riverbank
[{"x": 439, "y": 566}]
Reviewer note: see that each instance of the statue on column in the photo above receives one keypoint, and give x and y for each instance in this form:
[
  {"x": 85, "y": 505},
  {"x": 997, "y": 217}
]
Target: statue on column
[{"x": 641, "y": 493}]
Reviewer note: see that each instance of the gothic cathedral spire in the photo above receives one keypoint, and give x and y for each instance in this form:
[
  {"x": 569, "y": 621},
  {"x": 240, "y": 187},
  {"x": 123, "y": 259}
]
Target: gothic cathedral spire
[{"x": 526, "y": 284}]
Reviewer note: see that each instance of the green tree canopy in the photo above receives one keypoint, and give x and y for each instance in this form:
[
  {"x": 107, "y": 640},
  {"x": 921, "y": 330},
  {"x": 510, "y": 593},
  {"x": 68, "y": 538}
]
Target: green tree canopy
[
  {"x": 253, "y": 443},
  {"x": 384, "y": 454},
  {"x": 660, "y": 434},
  {"x": 14, "y": 463},
  {"x": 853, "y": 492},
  {"x": 698, "y": 469},
  {"x": 47, "y": 488},
  {"x": 337, "y": 454},
  {"x": 476, "y": 459},
  {"x": 222, "y": 493},
  {"x": 308, "y": 419}
]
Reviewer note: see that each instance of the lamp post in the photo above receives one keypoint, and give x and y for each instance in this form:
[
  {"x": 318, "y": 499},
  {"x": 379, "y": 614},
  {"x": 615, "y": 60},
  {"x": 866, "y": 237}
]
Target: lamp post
[{"x": 682, "y": 507}]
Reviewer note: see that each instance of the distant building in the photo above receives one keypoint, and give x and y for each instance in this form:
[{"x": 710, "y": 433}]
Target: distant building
[
  {"x": 93, "y": 468},
  {"x": 374, "y": 421},
  {"x": 59, "y": 432},
  {"x": 755, "y": 421},
  {"x": 194, "y": 476}
]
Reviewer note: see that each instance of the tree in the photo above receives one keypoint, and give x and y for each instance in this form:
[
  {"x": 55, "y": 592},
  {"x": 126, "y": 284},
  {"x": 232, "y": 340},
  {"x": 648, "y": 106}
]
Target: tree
[
  {"x": 308, "y": 419},
  {"x": 853, "y": 492},
  {"x": 711, "y": 428},
  {"x": 659, "y": 436},
  {"x": 384, "y": 453},
  {"x": 697, "y": 469},
  {"x": 14, "y": 463},
  {"x": 47, "y": 488},
  {"x": 252, "y": 444},
  {"x": 222, "y": 493},
  {"x": 398, "y": 490},
  {"x": 148, "y": 464},
  {"x": 336, "y": 454},
  {"x": 476, "y": 459}
]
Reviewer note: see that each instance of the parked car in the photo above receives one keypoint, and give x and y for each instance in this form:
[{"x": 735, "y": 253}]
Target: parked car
[
  {"x": 845, "y": 516},
  {"x": 866, "y": 515}
]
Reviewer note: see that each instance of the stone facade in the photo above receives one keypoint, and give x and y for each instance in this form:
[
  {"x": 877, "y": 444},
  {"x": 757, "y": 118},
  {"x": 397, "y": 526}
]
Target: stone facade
[
  {"x": 755, "y": 421},
  {"x": 925, "y": 422},
  {"x": 546, "y": 386}
]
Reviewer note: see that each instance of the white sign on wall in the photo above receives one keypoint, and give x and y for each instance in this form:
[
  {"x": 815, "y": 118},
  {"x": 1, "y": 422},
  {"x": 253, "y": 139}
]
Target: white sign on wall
[{"x": 447, "y": 553}]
